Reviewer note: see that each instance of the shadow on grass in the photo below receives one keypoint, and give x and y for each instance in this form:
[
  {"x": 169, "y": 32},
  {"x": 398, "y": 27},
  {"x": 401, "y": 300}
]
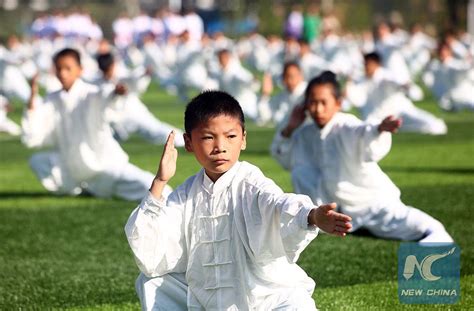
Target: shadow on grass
[
  {"x": 25, "y": 195},
  {"x": 442, "y": 170}
]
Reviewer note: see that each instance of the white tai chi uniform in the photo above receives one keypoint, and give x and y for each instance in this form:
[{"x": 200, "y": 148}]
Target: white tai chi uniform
[
  {"x": 338, "y": 163},
  {"x": 228, "y": 245},
  {"x": 452, "y": 82},
  {"x": 7, "y": 125},
  {"x": 13, "y": 83},
  {"x": 85, "y": 156},
  {"x": 279, "y": 107},
  {"x": 240, "y": 83},
  {"x": 382, "y": 96},
  {"x": 393, "y": 61},
  {"x": 132, "y": 116}
]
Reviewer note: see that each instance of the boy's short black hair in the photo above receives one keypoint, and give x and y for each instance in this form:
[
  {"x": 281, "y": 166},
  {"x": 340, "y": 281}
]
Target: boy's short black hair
[
  {"x": 327, "y": 77},
  {"x": 223, "y": 51},
  {"x": 290, "y": 64},
  {"x": 68, "y": 52},
  {"x": 373, "y": 56},
  {"x": 210, "y": 104},
  {"x": 105, "y": 61}
]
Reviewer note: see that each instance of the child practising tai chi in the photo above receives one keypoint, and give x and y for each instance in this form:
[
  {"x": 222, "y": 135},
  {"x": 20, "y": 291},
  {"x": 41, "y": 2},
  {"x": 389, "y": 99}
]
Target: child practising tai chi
[
  {"x": 228, "y": 238},
  {"x": 73, "y": 121},
  {"x": 335, "y": 158}
]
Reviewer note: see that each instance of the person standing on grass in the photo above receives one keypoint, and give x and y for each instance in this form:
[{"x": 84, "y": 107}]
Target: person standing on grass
[
  {"x": 335, "y": 159},
  {"x": 228, "y": 238},
  {"x": 85, "y": 156}
]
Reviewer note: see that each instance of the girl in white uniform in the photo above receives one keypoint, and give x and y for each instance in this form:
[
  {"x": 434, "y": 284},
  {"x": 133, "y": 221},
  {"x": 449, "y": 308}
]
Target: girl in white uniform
[{"x": 335, "y": 159}]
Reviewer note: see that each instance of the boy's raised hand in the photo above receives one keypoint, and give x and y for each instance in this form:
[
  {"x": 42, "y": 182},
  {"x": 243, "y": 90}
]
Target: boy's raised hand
[
  {"x": 267, "y": 84},
  {"x": 330, "y": 221},
  {"x": 390, "y": 124},
  {"x": 167, "y": 167}
]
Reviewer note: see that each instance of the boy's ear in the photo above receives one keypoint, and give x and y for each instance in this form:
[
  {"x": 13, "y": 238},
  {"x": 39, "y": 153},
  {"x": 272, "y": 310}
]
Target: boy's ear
[
  {"x": 244, "y": 143},
  {"x": 187, "y": 143}
]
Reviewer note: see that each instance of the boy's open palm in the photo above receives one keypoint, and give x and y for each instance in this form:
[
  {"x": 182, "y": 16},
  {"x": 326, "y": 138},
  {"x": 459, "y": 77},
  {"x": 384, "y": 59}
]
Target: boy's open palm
[
  {"x": 167, "y": 167},
  {"x": 330, "y": 221}
]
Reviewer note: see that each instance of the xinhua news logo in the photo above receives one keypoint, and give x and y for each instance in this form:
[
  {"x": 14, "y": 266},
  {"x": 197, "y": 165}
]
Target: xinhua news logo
[{"x": 429, "y": 273}]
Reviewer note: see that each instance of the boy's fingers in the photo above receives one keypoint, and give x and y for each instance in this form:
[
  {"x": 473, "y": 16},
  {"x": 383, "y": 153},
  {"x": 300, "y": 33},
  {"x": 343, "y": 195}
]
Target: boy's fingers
[
  {"x": 329, "y": 207},
  {"x": 343, "y": 224},
  {"x": 340, "y": 229},
  {"x": 170, "y": 140}
]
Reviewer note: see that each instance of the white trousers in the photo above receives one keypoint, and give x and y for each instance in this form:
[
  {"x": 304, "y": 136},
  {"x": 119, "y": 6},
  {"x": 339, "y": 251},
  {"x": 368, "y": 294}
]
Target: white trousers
[
  {"x": 8, "y": 126},
  {"x": 170, "y": 292},
  {"x": 138, "y": 119},
  {"x": 128, "y": 182},
  {"x": 395, "y": 220},
  {"x": 420, "y": 121},
  {"x": 391, "y": 219}
]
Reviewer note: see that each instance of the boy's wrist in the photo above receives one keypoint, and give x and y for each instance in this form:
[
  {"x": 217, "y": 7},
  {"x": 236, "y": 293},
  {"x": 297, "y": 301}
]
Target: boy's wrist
[
  {"x": 157, "y": 187},
  {"x": 312, "y": 217}
]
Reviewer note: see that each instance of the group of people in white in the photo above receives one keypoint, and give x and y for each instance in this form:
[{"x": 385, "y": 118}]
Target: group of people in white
[{"x": 93, "y": 103}]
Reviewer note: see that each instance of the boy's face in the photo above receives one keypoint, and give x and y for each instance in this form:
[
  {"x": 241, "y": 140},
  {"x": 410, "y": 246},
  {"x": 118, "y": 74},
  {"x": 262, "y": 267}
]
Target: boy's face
[
  {"x": 370, "y": 67},
  {"x": 322, "y": 104},
  {"x": 224, "y": 59},
  {"x": 216, "y": 144},
  {"x": 292, "y": 77},
  {"x": 67, "y": 71}
]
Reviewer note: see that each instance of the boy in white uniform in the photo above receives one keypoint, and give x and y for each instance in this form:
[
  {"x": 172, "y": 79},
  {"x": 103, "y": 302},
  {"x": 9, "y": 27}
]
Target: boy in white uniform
[
  {"x": 381, "y": 94},
  {"x": 7, "y": 125},
  {"x": 335, "y": 158},
  {"x": 85, "y": 156},
  {"x": 228, "y": 238},
  {"x": 278, "y": 107},
  {"x": 451, "y": 80},
  {"x": 239, "y": 82},
  {"x": 134, "y": 116}
]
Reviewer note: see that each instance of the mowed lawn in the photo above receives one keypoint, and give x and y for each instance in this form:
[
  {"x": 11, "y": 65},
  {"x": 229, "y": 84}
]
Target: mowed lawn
[{"x": 62, "y": 252}]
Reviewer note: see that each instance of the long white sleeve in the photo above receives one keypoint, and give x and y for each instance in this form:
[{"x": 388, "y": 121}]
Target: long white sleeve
[
  {"x": 38, "y": 126},
  {"x": 276, "y": 222},
  {"x": 155, "y": 232},
  {"x": 370, "y": 145}
]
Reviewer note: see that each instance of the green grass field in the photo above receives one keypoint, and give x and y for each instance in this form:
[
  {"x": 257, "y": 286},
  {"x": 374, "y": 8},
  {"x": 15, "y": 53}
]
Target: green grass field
[{"x": 63, "y": 252}]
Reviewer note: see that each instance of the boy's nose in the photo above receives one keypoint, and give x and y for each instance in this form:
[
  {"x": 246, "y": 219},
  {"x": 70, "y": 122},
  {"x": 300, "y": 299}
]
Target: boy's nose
[{"x": 219, "y": 146}]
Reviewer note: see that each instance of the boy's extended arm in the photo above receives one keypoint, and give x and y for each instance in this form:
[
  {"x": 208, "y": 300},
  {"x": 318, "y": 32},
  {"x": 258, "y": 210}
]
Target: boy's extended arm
[
  {"x": 38, "y": 123},
  {"x": 166, "y": 168}
]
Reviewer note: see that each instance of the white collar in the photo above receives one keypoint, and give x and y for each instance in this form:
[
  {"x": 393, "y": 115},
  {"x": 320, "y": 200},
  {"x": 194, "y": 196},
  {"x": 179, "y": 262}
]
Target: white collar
[{"x": 222, "y": 183}]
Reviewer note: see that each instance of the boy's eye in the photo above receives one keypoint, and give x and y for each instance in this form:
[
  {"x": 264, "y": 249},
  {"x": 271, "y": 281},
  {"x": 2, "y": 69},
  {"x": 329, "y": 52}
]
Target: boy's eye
[
  {"x": 206, "y": 137},
  {"x": 232, "y": 136}
]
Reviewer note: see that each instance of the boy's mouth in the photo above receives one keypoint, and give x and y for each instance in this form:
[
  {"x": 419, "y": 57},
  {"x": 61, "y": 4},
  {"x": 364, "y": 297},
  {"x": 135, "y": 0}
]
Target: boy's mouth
[{"x": 220, "y": 161}]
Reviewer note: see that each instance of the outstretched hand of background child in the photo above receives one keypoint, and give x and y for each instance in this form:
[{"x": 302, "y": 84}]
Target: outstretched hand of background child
[
  {"x": 166, "y": 168},
  {"x": 298, "y": 115},
  {"x": 327, "y": 219},
  {"x": 390, "y": 124},
  {"x": 34, "y": 92}
]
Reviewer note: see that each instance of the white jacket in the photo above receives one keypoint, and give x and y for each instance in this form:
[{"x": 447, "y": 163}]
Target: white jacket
[{"x": 236, "y": 239}]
